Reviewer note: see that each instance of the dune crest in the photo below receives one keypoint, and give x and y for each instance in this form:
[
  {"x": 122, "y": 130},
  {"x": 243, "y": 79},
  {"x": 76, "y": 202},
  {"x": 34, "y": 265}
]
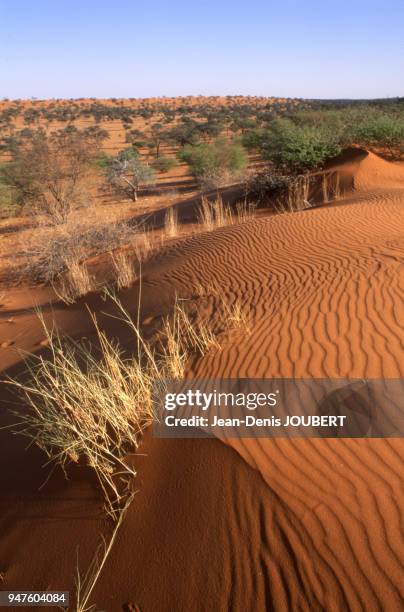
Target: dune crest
[{"x": 368, "y": 171}]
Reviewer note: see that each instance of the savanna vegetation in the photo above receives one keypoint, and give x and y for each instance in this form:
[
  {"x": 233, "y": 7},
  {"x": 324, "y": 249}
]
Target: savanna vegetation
[
  {"x": 211, "y": 136},
  {"x": 61, "y": 159}
]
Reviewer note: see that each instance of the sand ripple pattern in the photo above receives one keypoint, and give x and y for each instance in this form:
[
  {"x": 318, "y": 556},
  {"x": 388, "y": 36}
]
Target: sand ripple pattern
[{"x": 324, "y": 291}]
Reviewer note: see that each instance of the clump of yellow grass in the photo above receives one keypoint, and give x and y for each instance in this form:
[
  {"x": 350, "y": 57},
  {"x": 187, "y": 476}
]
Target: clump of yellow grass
[{"x": 91, "y": 406}]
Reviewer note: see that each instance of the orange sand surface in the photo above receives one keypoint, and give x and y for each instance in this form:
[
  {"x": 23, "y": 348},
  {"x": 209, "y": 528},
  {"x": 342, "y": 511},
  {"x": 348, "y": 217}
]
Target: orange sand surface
[{"x": 250, "y": 525}]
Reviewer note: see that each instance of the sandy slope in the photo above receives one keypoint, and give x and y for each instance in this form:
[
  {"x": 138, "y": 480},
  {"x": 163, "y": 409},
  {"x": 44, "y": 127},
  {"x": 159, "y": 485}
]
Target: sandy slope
[
  {"x": 324, "y": 293},
  {"x": 324, "y": 289}
]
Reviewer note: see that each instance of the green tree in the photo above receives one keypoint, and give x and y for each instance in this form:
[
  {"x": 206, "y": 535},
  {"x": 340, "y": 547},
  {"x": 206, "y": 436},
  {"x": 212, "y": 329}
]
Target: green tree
[
  {"x": 185, "y": 132},
  {"x": 252, "y": 139},
  {"x": 157, "y": 134}
]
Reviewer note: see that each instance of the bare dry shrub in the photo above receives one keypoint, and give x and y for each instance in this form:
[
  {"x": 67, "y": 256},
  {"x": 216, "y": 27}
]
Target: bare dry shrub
[
  {"x": 53, "y": 251},
  {"x": 47, "y": 172},
  {"x": 288, "y": 193},
  {"x": 215, "y": 179}
]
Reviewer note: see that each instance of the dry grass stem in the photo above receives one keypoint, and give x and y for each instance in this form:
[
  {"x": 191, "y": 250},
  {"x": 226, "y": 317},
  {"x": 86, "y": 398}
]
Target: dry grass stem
[{"x": 85, "y": 585}]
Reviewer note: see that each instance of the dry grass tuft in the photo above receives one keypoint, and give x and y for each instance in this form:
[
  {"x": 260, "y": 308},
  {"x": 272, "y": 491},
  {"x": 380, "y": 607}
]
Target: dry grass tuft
[
  {"x": 205, "y": 215},
  {"x": 235, "y": 316},
  {"x": 218, "y": 214},
  {"x": 89, "y": 409},
  {"x": 244, "y": 211},
  {"x": 91, "y": 406},
  {"x": 76, "y": 283},
  {"x": 124, "y": 267},
  {"x": 182, "y": 337},
  {"x": 214, "y": 214},
  {"x": 203, "y": 290},
  {"x": 171, "y": 222}
]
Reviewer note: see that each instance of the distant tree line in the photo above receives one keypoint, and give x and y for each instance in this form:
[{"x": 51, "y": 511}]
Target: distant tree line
[{"x": 47, "y": 170}]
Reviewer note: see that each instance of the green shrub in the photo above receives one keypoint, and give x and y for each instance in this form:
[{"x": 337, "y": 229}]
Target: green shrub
[
  {"x": 102, "y": 160},
  {"x": 252, "y": 139},
  {"x": 8, "y": 205},
  {"x": 212, "y": 161},
  {"x": 295, "y": 148},
  {"x": 381, "y": 131},
  {"x": 164, "y": 164}
]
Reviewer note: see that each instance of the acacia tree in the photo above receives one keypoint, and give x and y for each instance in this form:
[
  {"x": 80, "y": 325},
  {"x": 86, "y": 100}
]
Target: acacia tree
[
  {"x": 46, "y": 172},
  {"x": 127, "y": 174},
  {"x": 158, "y": 135},
  {"x": 135, "y": 138},
  {"x": 185, "y": 132}
]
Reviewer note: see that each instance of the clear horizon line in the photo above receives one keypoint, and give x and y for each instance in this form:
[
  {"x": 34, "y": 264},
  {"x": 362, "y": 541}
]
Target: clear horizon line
[{"x": 164, "y": 97}]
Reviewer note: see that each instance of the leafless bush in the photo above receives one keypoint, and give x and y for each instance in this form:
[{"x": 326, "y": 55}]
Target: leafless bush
[
  {"x": 47, "y": 172},
  {"x": 215, "y": 179},
  {"x": 54, "y": 251},
  {"x": 291, "y": 193}
]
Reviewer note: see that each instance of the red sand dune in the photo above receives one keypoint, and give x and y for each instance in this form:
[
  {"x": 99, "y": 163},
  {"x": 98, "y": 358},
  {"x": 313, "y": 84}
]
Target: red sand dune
[{"x": 281, "y": 524}]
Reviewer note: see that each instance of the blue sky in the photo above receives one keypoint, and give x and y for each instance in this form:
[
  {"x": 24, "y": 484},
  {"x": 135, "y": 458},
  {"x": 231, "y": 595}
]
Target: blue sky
[{"x": 122, "y": 48}]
